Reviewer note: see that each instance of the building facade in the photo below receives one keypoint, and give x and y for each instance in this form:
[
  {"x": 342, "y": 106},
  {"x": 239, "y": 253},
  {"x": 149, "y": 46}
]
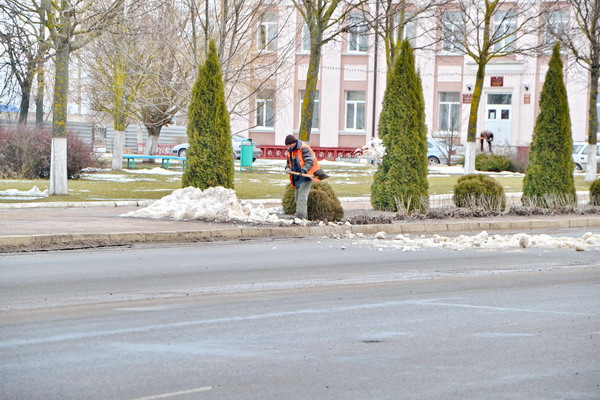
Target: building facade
[{"x": 352, "y": 80}]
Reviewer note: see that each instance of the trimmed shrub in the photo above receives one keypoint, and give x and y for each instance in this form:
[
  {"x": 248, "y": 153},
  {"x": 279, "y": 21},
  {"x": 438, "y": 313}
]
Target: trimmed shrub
[
  {"x": 210, "y": 155},
  {"x": 479, "y": 191},
  {"x": 595, "y": 193},
  {"x": 549, "y": 174},
  {"x": 25, "y": 153},
  {"x": 494, "y": 163},
  {"x": 323, "y": 204},
  {"x": 401, "y": 178}
]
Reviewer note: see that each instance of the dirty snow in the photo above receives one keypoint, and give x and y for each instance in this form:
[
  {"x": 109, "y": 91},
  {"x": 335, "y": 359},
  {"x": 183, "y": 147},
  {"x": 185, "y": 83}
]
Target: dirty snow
[
  {"x": 215, "y": 204},
  {"x": 483, "y": 240},
  {"x": 153, "y": 171},
  {"x": 114, "y": 178},
  {"x": 15, "y": 194}
]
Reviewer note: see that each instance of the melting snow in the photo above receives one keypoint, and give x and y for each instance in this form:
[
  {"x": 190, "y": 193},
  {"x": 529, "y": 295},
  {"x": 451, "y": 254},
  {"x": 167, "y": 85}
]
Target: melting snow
[
  {"x": 15, "y": 194},
  {"x": 483, "y": 240},
  {"x": 215, "y": 204}
]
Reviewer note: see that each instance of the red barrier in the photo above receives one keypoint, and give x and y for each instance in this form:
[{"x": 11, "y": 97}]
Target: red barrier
[
  {"x": 161, "y": 149},
  {"x": 322, "y": 153}
]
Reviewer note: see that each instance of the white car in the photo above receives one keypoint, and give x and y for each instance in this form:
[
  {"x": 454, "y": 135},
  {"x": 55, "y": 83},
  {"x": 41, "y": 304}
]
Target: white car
[
  {"x": 236, "y": 140},
  {"x": 437, "y": 152},
  {"x": 580, "y": 154}
]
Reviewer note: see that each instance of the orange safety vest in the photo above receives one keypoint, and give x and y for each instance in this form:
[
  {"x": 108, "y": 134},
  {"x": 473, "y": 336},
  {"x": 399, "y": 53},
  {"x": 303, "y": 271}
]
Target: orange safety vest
[{"x": 297, "y": 154}]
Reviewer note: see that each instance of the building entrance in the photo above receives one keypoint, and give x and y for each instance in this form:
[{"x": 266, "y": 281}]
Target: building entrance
[{"x": 498, "y": 117}]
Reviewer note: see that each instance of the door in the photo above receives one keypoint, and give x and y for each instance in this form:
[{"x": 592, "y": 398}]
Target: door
[{"x": 498, "y": 114}]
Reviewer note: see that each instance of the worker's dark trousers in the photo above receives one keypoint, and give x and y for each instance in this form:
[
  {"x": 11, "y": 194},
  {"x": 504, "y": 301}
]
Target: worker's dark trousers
[{"x": 302, "y": 199}]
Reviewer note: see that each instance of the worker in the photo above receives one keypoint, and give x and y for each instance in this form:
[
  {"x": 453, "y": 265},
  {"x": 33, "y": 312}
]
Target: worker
[
  {"x": 301, "y": 166},
  {"x": 488, "y": 136}
]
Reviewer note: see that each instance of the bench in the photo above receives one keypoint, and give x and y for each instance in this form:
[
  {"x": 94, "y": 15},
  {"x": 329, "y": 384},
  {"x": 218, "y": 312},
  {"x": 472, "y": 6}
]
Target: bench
[{"x": 132, "y": 157}]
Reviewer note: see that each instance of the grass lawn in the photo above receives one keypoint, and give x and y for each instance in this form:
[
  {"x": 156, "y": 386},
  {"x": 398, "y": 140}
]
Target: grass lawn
[{"x": 266, "y": 180}]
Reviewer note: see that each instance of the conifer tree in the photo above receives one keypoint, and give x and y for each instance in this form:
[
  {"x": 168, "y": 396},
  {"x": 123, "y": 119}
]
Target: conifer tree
[
  {"x": 549, "y": 174},
  {"x": 401, "y": 179},
  {"x": 210, "y": 155}
]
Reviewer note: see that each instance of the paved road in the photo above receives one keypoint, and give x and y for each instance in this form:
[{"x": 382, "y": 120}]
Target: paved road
[{"x": 253, "y": 321}]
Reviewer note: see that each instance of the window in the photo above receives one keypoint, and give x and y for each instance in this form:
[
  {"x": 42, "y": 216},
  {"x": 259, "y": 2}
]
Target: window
[
  {"x": 409, "y": 28},
  {"x": 557, "y": 24},
  {"x": 453, "y": 28},
  {"x": 505, "y": 26},
  {"x": 305, "y": 47},
  {"x": 265, "y": 109},
  {"x": 267, "y": 32},
  {"x": 315, "y": 119},
  {"x": 355, "y": 110},
  {"x": 357, "y": 35},
  {"x": 449, "y": 112}
]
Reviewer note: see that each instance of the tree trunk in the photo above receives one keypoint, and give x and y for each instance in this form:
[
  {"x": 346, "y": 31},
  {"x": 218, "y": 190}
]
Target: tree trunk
[
  {"x": 471, "y": 147},
  {"x": 25, "y": 97},
  {"x": 58, "y": 162},
  {"x": 117, "y": 154},
  {"x": 591, "y": 168},
  {"x": 312, "y": 77},
  {"x": 39, "y": 99},
  {"x": 152, "y": 143}
]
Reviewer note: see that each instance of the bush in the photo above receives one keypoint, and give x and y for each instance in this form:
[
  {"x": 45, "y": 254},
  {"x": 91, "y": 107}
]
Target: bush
[
  {"x": 494, "y": 163},
  {"x": 25, "y": 153},
  {"x": 549, "y": 179},
  {"x": 402, "y": 175},
  {"x": 323, "y": 204},
  {"x": 595, "y": 193},
  {"x": 479, "y": 191}
]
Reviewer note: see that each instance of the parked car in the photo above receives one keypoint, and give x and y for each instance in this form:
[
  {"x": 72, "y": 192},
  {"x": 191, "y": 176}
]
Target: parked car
[
  {"x": 437, "y": 152},
  {"x": 580, "y": 154},
  {"x": 236, "y": 140}
]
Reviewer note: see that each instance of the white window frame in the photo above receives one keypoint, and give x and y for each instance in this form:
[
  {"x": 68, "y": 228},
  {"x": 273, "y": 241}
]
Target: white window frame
[
  {"x": 557, "y": 23},
  {"x": 315, "y": 119},
  {"x": 358, "y": 40},
  {"x": 305, "y": 39},
  {"x": 448, "y": 110},
  {"x": 355, "y": 106},
  {"x": 505, "y": 23},
  {"x": 453, "y": 27},
  {"x": 265, "y": 109},
  {"x": 266, "y": 32},
  {"x": 410, "y": 29}
]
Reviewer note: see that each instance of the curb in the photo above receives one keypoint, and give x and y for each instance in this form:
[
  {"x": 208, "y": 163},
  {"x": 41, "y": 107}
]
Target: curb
[{"x": 65, "y": 241}]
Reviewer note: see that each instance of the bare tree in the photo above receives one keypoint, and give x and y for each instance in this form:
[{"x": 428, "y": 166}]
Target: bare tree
[
  {"x": 71, "y": 25},
  {"x": 394, "y": 21},
  {"x": 483, "y": 31},
  {"x": 582, "y": 39},
  {"x": 22, "y": 35},
  {"x": 325, "y": 20},
  {"x": 247, "y": 66}
]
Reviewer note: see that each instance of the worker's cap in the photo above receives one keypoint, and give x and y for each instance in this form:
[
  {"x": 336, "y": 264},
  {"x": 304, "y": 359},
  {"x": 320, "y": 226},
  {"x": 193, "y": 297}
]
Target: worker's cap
[{"x": 289, "y": 139}]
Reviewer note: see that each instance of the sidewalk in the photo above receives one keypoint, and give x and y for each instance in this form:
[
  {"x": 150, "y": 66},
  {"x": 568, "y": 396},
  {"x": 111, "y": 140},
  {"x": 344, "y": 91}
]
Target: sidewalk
[{"x": 24, "y": 227}]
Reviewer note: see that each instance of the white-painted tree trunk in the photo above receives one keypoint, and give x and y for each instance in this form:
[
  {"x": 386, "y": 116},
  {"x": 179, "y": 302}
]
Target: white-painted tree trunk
[
  {"x": 58, "y": 167},
  {"x": 470, "y": 150},
  {"x": 117, "y": 155},
  {"x": 592, "y": 164}
]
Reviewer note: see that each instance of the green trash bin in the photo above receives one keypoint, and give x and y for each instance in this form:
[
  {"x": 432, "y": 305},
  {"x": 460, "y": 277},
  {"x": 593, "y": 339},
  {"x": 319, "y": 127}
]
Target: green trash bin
[{"x": 246, "y": 153}]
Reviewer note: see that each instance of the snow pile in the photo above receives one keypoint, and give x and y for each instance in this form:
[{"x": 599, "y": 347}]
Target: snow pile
[
  {"x": 483, "y": 240},
  {"x": 153, "y": 171},
  {"x": 215, "y": 204},
  {"x": 374, "y": 150},
  {"x": 114, "y": 178},
  {"x": 15, "y": 194}
]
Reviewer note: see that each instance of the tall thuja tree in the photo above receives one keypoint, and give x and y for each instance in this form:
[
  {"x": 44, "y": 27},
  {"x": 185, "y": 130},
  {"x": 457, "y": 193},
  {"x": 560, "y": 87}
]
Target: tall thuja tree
[
  {"x": 210, "y": 155},
  {"x": 401, "y": 179},
  {"x": 549, "y": 174}
]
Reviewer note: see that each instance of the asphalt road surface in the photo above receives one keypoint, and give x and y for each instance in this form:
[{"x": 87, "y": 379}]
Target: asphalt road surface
[{"x": 299, "y": 319}]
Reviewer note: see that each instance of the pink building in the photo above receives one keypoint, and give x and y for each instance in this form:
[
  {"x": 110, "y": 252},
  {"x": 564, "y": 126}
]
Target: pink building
[{"x": 351, "y": 86}]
